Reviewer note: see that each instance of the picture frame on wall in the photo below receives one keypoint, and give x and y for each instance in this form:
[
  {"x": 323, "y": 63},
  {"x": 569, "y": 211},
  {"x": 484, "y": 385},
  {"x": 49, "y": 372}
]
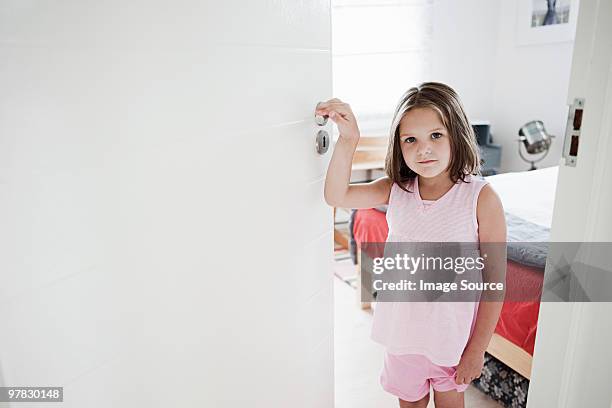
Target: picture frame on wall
[{"x": 546, "y": 21}]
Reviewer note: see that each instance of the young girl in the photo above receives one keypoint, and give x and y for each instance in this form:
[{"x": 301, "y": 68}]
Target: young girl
[{"x": 432, "y": 197}]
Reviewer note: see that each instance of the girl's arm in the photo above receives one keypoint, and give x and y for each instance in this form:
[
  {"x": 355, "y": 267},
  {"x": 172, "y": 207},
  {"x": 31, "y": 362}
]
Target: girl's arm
[
  {"x": 338, "y": 191},
  {"x": 492, "y": 237}
]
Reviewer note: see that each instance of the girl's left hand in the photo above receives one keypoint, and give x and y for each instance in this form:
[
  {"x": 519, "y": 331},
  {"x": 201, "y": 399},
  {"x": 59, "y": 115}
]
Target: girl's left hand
[{"x": 470, "y": 366}]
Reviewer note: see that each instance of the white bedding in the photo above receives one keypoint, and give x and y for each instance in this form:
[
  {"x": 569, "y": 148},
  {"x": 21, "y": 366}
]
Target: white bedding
[{"x": 528, "y": 194}]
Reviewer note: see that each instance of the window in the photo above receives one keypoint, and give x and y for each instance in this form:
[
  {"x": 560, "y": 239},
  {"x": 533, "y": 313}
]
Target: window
[{"x": 379, "y": 50}]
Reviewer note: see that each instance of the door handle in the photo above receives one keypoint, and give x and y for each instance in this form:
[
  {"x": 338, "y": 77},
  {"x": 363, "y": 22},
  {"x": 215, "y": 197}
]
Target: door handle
[{"x": 321, "y": 120}]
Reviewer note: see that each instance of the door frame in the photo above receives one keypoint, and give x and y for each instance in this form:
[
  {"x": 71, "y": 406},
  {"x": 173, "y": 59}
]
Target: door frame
[{"x": 572, "y": 330}]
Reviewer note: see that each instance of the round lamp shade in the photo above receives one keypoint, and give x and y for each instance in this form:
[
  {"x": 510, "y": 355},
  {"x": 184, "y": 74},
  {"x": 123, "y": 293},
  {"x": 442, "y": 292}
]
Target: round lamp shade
[{"x": 535, "y": 137}]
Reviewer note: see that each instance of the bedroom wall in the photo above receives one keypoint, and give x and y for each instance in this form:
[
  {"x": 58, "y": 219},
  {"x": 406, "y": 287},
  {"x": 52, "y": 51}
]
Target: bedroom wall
[
  {"x": 464, "y": 51},
  {"x": 530, "y": 82},
  {"x": 474, "y": 50}
]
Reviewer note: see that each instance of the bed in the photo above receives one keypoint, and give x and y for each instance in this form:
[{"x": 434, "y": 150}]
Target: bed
[{"x": 528, "y": 199}]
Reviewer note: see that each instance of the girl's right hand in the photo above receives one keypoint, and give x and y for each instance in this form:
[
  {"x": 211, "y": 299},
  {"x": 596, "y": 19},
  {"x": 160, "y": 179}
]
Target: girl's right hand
[{"x": 343, "y": 117}]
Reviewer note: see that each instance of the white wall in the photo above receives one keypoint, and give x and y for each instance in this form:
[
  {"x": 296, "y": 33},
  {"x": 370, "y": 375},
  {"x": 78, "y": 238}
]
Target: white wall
[
  {"x": 464, "y": 51},
  {"x": 475, "y": 51},
  {"x": 531, "y": 82}
]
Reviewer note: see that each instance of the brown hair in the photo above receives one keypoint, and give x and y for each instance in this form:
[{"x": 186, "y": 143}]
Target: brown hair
[{"x": 465, "y": 156}]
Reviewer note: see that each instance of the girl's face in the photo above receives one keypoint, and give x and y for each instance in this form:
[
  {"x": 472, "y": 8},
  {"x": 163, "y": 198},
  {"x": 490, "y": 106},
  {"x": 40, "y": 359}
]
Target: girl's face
[{"x": 425, "y": 142}]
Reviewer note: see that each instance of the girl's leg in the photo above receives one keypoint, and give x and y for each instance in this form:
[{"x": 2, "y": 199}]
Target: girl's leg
[
  {"x": 422, "y": 403},
  {"x": 448, "y": 399}
]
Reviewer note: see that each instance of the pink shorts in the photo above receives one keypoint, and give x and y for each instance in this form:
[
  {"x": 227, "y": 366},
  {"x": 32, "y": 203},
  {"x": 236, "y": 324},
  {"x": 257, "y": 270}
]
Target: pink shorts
[{"x": 408, "y": 377}]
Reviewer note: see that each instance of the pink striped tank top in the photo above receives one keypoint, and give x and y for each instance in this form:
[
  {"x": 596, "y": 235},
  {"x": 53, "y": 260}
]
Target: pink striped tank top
[{"x": 437, "y": 330}]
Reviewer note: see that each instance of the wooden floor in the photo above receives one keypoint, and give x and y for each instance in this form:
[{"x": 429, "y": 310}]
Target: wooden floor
[{"x": 358, "y": 360}]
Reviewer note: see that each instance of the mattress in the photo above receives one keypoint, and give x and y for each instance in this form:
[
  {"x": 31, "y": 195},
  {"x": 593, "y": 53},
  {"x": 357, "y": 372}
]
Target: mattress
[{"x": 528, "y": 194}]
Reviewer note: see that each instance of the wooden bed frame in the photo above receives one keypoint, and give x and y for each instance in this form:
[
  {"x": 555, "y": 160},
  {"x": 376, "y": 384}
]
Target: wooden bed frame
[{"x": 499, "y": 347}]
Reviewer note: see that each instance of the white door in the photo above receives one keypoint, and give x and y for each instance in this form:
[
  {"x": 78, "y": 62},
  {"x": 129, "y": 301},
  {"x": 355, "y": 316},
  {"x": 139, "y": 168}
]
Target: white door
[
  {"x": 572, "y": 355},
  {"x": 164, "y": 236}
]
